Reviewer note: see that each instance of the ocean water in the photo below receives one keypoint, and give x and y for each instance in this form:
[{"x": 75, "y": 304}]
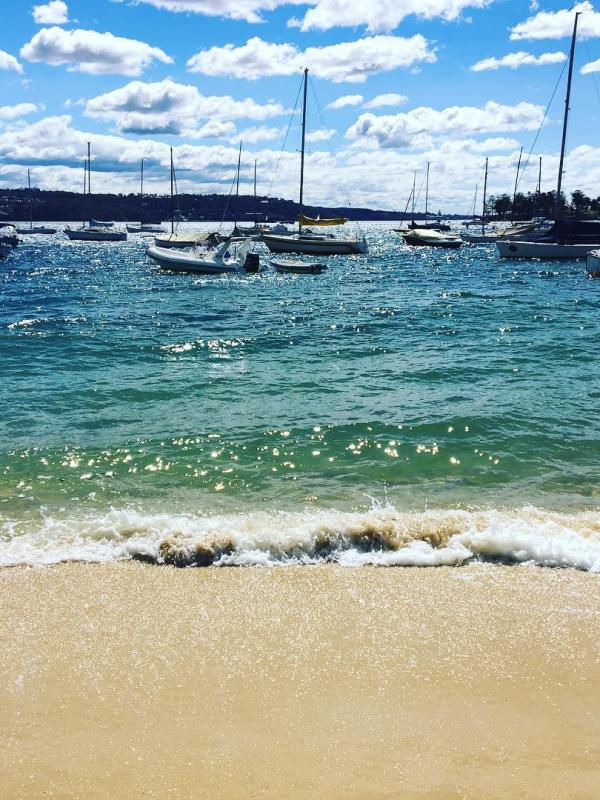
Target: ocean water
[{"x": 409, "y": 407}]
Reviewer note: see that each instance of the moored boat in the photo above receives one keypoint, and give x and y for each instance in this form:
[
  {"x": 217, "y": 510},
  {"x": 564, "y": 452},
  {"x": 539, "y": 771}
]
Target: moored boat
[
  {"x": 593, "y": 264},
  {"x": 33, "y": 229},
  {"x": 229, "y": 256},
  {"x": 295, "y": 267},
  {"x": 430, "y": 238}
]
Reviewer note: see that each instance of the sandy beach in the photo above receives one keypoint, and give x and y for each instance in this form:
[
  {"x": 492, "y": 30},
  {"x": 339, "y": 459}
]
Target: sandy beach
[{"x": 130, "y": 681}]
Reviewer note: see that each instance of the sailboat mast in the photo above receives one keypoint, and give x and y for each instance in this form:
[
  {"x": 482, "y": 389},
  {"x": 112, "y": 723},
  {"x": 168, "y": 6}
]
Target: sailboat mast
[
  {"x": 302, "y": 150},
  {"x": 89, "y": 159},
  {"x": 484, "y": 197},
  {"x": 172, "y": 208},
  {"x": 539, "y": 186},
  {"x": 237, "y": 185},
  {"x": 141, "y": 188},
  {"x": 557, "y": 208},
  {"x": 29, "y": 196},
  {"x": 254, "y": 177},
  {"x": 427, "y": 192},
  {"x": 414, "y": 199},
  {"x": 512, "y": 211}
]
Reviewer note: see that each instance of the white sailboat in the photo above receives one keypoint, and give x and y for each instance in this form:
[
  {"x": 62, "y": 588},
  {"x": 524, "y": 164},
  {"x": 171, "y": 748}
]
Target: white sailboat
[
  {"x": 144, "y": 227},
  {"x": 93, "y": 231},
  {"x": 567, "y": 238},
  {"x": 306, "y": 241},
  {"x": 33, "y": 229},
  {"x": 175, "y": 239}
]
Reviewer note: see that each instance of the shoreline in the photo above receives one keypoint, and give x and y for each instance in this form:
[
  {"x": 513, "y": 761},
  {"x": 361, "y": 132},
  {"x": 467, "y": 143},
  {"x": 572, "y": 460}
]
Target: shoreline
[{"x": 123, "y": 680}]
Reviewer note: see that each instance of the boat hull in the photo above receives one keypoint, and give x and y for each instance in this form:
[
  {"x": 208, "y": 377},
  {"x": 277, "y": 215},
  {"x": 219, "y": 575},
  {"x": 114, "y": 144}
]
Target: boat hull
[
  {"x": 188, "y": 262},
  {"x": 38, "y": 230},
  {"x": 592, "y": 264},
  {"x": 421, "y": 241},
  {"x": 145, "y": 229},
  {"x": 297, "y": 267},
  {"x": 316, "y": 246},
  {"x": 96, "y": 236},
  {"x": 524, "y": 249}
]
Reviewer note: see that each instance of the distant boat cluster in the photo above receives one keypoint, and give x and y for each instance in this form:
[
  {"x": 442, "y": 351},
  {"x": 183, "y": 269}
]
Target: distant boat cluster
[{"x": 208, "y": 253}]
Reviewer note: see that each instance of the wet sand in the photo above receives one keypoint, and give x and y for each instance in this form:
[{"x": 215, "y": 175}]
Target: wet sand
[{"x": 135, "y": 681}]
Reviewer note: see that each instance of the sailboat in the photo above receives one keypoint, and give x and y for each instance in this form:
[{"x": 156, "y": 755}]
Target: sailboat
[
  {"x": 241, "y": 231},
  {"x": 33, "y": 228},
  {"x": 424, "y": 225},
  {"x": 144, "y": 227},
  {"x": 174, "y": 239},
  {"x": 93, "y": 231},
  {"x": 567, "y": 238},
  {"x": 306, "y": 241}
]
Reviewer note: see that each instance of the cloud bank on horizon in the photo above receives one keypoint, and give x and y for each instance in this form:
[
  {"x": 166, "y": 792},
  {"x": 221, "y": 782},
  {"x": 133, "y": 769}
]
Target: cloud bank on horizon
[{"x": 441, "y": 81}]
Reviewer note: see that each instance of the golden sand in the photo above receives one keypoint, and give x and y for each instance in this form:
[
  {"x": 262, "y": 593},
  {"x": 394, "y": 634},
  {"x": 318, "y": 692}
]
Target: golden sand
[{"x": 133, "y": 681}]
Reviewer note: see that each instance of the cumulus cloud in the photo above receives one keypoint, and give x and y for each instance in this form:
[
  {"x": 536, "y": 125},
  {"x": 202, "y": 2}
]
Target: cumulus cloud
[
  {"x": 516, "y": 60},
  {"x": 383, "y": 100},
  {"x": 55, "y": 12},
  {"x": 591, "y": 66},
  {"x": 92, "y": 52},
  {"x": 382, "y": 15},
  {"x": 559, "y": 24},
  {"x": 351, "y": 62},
  {"x": 169, "y": 107},
  {"x": 404, "y": 130},
  {"x": 262, "y": 133},
  {"x": 321, "y": 135},
  {"x": 19, "y": 110},
  {"x": 247, "y": 10},
  {"x": 9, "y": 62},
  {"x": 346, "y": 100}
]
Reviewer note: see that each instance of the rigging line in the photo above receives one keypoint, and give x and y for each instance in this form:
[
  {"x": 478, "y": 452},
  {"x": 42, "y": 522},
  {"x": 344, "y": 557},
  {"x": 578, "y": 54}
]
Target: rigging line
[
  {"x": 539, "y": 130},
  {"x": 341, "y": 187},
  {"x": 287, "y": 133},
  {"x": 587, "y": 48}
]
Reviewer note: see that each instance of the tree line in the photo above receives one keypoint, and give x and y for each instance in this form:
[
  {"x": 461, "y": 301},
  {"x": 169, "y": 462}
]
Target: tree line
[{"x": 541, "y": 204}]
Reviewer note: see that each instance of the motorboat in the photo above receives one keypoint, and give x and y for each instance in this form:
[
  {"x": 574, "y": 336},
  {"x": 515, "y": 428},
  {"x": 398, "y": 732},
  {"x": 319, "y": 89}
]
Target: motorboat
[
  {"x": 295, "y": 267},
  {"x": 306, "y": 241},
  {"x": 228, "y": 256},
  {"x": 425, "y": 237},
  {"x": 592, "y": 264},
  {"x": 145, "y": 228}
]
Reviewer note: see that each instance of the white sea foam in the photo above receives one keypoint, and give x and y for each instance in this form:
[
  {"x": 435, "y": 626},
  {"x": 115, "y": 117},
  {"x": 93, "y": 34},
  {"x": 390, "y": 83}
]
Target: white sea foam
[{"x": 380, "y": 537}]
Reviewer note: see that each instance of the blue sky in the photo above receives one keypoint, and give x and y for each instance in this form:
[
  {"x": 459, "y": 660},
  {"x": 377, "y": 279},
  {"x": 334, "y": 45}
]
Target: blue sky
[{"x": 415, "y": 76}]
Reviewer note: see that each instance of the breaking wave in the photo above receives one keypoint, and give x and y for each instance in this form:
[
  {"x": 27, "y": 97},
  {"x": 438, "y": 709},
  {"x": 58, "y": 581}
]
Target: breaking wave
[{"x": 382, "y": 536}]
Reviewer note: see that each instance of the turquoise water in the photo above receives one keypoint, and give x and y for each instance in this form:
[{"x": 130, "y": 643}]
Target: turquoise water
[{"x": 408, "y": 379}]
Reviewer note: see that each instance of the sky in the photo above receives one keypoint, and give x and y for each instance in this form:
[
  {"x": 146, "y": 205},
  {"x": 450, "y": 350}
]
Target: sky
[{"x": 394, "y": 84}]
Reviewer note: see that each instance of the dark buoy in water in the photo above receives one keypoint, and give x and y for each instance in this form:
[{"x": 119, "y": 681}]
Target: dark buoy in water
[{"x": 252, "y": 262}]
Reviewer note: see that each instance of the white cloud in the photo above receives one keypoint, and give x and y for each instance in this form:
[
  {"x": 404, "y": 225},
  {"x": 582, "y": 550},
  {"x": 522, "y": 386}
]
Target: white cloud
[
  {"x": 516, "y": 60},
  {"x": 591, "y": 66},
  {"x": 247, "y": 10},
  {"x": 213, "y": 129},
  {"x": 408, "y": 128},
  {"x": 351, "y": 62},
  {"x": 259, "y": 134},
  {"x": 9, "y": 62},
  {"x": 169, "y": 107},
  {"x": 321, "y": 135},
  {"x": 55, "y": 12},
  {"x": 93, "y": 52},
  {"x": 383, "y": 100},
  {"x": 19, "y": 110},
  {"x": 382, "y": 15},
  {"x": 346, "y": 100},
  {"x": 559, "y": 24}
]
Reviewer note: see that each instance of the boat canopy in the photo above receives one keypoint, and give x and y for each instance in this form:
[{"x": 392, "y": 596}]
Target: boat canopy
[{"x": 304, "y": 220}]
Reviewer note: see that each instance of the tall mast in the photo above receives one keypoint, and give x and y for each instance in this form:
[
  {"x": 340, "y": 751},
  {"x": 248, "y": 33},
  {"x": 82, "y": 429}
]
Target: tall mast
[
  {"x": 558, "y": 208},
  {"x": 29, "y": 195},
  {"x": 484, "y": 197},
  {"x": 427, "y": 192},
  {"x": 301, "y": 204},
  {"x": 512, "y": 211},
  {"x": 254, "y": 177},
  {"x": 141, "y": 187},
  {"x": 539, "y": 190},
  {"x": 172, "y": 209},
  {"x": 89, "y": 159},
  {"x": 237, "y": 185},
  {"x": 414, "y": 199}
]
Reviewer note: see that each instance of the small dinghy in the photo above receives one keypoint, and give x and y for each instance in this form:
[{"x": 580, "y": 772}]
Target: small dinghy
[
  {"x": 294, "y": 267},
  {"x": 421, "y": 237},
  {"x": 592, "y": 264}
]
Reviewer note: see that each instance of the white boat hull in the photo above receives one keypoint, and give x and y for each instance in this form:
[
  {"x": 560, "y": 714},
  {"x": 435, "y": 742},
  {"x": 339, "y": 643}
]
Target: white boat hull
[
  {"x": 190, "y": 262},
  {"x": 85, "y": 235},
  {"x": 298, "y": 267},
  {"x": 592, "y": 264},
  {"x": 315, "y": 246},
  {"x": 522, "y": 249}
]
